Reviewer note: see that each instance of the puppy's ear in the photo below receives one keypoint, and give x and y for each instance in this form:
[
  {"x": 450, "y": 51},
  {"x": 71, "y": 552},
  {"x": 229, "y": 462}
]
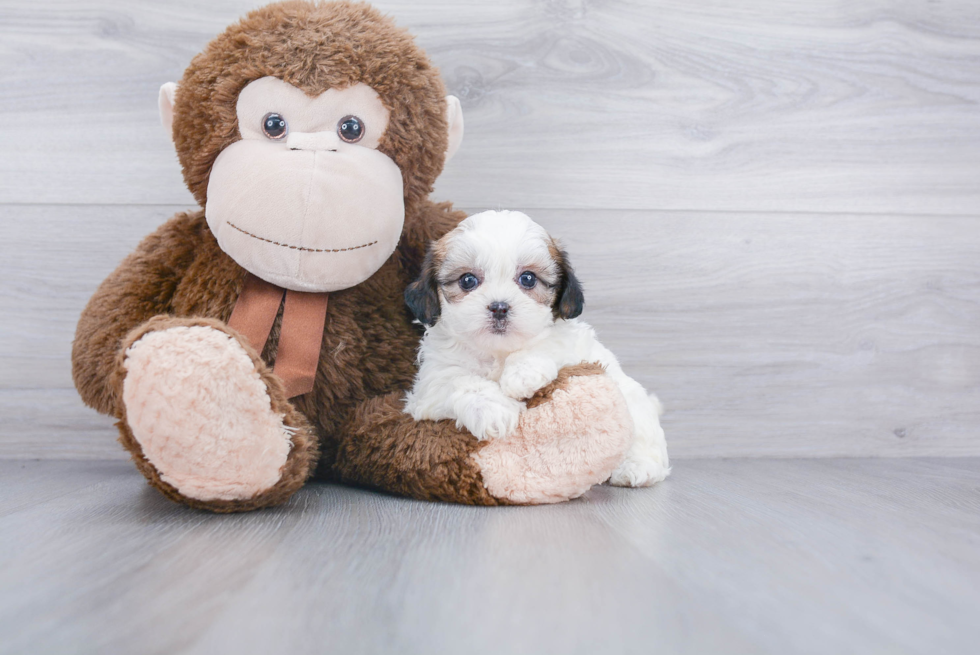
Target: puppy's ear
[
  {"x": 569, "y": 299},
  {"x": 422, "y": 295}
]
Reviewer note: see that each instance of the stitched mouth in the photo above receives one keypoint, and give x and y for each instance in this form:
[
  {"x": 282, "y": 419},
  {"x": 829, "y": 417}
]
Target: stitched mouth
[{"x": 286, "y": 245}]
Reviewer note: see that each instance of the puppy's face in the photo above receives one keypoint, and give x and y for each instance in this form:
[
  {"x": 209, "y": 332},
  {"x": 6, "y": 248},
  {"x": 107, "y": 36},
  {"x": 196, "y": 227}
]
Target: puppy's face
[{"x": 495, "y": 281}]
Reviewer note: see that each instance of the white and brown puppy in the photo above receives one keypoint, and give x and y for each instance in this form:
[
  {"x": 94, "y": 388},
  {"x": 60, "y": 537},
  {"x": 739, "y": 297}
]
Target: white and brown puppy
[{"x": 499, "y": 301}]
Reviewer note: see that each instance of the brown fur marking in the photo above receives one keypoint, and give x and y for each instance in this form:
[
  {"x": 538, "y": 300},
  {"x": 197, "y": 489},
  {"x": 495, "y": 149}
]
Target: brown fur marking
[
  {"x": 568, "y": 300},
  {"x": 422, "y": 295}
]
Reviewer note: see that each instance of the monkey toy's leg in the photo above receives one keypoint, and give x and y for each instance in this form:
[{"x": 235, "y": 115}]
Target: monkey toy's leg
[
  {"x": 206, "y": 421},
  {"x": 575, "y": 433}
]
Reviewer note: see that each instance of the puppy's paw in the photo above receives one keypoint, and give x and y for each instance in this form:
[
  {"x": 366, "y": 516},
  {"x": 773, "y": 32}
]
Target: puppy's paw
[
  {"x": 641, "y": 468},
  {"x": 522, "y": 380},
  {"x": 489, "y": 417}
]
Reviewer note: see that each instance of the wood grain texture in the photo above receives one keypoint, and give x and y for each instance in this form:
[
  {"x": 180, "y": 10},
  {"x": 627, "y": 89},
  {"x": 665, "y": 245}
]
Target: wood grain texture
[
  {"x": 791, "y": 335},
  {"x": 869, "y": 106},
  {"x": 733, "y": 556},
  {"x": 786, "y": 323},
  {"x": 764, "y": 335}
]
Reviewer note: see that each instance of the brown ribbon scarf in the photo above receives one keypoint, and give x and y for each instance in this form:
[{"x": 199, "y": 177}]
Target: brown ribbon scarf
[{"x": 300, "y": 335}]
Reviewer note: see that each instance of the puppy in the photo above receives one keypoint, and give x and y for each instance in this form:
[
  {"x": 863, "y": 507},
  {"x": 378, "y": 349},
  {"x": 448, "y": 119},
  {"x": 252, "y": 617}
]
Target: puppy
[{"x": 499, "y": 301}]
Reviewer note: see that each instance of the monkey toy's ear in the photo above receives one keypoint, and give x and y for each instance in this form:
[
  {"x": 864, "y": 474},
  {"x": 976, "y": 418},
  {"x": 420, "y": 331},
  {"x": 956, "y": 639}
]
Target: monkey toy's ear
[
  {"x": 422, "y": 295},
  {"x": 166, "y": 102},
  {"x": 570, "y": 300},
  {"x": 454, "y": 116}
]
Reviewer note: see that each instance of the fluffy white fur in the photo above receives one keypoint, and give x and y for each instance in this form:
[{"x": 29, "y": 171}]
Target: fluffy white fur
[{"x": 477, "y": 369}]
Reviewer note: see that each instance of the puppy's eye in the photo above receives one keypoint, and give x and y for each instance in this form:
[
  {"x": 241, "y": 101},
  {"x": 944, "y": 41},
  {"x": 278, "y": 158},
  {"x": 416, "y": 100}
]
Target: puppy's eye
[
  {"x": 468, "y": 282},
  {"x": 527, "y": 280},
  {"x": 274, "y": 126},
  {"x": 350, "y": 129}
]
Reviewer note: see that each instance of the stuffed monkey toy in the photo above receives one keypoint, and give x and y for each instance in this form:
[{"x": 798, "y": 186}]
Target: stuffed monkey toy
[{"x": 263, "y": 339}]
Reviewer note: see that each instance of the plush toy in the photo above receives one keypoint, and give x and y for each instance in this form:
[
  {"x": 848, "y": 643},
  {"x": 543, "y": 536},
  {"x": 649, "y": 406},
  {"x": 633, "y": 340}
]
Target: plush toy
[{"x": 248, "y": 345}]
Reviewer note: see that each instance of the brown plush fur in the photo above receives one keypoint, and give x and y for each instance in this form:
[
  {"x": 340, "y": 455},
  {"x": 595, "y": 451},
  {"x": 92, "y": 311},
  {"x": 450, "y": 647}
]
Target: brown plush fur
[
  {"x": 314, "y": 47},
  {"x": 542, "y": 395},
  {"x": 179, "y": 272},
  {"x": 433, "y": 459},
  {"x": 428, "y": 460},
  {"x": 179, "y": 276}
]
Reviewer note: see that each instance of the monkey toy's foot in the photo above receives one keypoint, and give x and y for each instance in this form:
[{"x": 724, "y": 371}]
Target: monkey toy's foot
[
  {"x": 575, "y": 432},
  {"x": 206, "y": 421}
]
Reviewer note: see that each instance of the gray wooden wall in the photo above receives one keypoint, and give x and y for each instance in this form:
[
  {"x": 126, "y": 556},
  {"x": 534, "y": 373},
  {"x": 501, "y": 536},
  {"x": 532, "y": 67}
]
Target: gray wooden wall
[{"x": 775, "y": 206}]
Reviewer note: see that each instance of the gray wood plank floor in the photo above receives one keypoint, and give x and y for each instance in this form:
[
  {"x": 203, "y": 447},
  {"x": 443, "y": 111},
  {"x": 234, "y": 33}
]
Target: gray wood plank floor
[{"x": 732, "y": 556}]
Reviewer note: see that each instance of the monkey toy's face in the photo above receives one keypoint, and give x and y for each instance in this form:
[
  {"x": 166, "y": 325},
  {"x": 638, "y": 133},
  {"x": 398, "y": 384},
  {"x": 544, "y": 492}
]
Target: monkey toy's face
[
  {"x": 305, "y": 131},
  {"x": 305, "y": 200}
]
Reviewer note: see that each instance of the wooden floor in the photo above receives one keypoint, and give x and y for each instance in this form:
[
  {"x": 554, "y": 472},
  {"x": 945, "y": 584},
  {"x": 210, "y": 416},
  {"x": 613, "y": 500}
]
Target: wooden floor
[{"x": 727, "y": 556}]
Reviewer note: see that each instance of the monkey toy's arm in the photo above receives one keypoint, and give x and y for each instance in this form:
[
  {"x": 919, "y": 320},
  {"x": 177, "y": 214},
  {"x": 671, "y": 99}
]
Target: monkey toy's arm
[
  {"x": 573, "y": 435},
  {"x": 141, "y": 287}
]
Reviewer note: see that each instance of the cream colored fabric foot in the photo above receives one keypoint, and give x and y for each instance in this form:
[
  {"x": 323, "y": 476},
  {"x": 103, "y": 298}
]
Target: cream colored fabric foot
[{"x": 202, "y": 414}]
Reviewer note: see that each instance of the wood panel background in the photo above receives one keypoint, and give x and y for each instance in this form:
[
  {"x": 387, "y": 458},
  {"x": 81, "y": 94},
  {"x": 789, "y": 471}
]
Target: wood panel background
[{"x": 775, "y": 206}]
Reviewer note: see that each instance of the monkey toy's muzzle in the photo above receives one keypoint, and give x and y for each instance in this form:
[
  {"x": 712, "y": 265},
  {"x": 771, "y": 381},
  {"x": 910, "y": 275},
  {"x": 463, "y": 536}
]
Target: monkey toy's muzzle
[{"x": 310, "y": 214}]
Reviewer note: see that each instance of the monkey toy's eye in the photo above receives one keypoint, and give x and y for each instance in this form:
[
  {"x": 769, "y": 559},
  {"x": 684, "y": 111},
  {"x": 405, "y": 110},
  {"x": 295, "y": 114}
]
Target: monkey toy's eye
[
  {"x": 468, "y": 282},
  {"x": 350, "y": 129},
  {"x": 274, "y": 126},
  {"x": 528, "y": 279}
]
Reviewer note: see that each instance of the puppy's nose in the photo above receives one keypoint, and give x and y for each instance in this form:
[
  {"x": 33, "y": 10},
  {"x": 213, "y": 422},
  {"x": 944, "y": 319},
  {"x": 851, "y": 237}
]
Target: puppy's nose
[{"x": 499, "y": 310}]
